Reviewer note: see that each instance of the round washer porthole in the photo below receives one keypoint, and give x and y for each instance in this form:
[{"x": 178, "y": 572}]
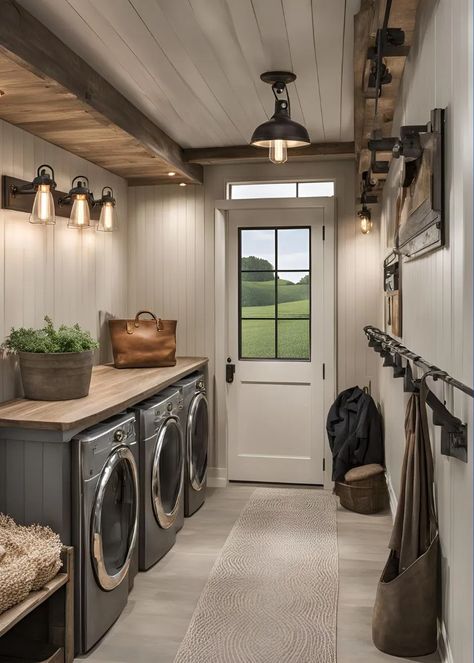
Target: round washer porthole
[
  {"x": 168, "y": 473},
  {"x": 198, "y": 440}
]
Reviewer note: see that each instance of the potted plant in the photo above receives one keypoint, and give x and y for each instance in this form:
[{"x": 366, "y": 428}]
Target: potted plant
[{"x": 55, "y": 364}]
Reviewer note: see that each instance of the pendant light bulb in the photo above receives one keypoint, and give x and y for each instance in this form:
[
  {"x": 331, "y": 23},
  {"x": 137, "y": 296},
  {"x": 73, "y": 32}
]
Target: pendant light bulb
[
  {"x": 80, "y": 213},
  {"x": 277, "y": 151},
  {"x": 42, "y": 212}
]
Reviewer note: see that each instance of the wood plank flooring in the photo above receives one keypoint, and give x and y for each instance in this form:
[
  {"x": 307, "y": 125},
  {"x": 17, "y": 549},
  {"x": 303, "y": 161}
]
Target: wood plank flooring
[{"x": 161, "y": 604}]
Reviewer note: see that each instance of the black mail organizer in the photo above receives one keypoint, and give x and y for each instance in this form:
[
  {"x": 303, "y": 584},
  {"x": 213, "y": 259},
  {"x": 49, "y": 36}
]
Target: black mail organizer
[{"x": 453, "y": 430}]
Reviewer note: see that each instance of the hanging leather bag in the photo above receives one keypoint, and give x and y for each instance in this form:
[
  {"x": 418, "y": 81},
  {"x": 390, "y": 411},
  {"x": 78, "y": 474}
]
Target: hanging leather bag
[
  {"x": 405, "y": 614},
  {"x": 143, "y": 343}
]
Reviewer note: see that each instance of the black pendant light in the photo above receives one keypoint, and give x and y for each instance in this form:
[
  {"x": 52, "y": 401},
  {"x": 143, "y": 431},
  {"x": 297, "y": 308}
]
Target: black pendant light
[{"x": 280, "y": 132}]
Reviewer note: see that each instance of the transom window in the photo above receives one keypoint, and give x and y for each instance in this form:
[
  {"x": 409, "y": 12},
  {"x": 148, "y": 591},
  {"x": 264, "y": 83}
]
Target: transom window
[
  {"x": 240, "y": 191},
  {"x": 275, "y": 293}
]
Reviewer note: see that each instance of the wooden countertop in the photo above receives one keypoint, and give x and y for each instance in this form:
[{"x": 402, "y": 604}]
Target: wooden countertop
[{"x": 112, "y": 390}]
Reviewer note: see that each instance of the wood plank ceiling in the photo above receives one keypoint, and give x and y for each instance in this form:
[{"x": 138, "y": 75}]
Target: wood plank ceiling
[{"x": 193, "y": 66}]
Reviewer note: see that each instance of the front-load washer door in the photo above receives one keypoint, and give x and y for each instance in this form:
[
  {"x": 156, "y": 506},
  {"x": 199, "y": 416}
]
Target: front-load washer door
[
  {"x": 198, "y": 440},
  {"x": 115, "y": 519},
  {"x": 168, "y": 473}
]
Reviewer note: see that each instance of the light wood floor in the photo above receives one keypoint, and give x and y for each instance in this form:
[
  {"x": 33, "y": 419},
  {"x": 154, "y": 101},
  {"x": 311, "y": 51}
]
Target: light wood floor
[{"x": 161, "y": 604}]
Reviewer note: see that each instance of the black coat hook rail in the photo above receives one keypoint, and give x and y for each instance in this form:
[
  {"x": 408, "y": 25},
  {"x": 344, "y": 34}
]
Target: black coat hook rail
[{"x": 454, "y": 431}]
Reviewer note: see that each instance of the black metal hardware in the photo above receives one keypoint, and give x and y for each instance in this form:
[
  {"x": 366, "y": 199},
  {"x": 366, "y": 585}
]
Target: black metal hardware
[
  {"x": 229, "y": 371},
  {"x": 454, "y": 432}
]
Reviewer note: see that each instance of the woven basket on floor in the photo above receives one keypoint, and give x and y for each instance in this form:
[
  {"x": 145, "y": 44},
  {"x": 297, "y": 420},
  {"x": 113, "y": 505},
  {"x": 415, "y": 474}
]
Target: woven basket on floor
[
  {"x": 366, "y": 496},
  {"x": 31, "y": 559}
]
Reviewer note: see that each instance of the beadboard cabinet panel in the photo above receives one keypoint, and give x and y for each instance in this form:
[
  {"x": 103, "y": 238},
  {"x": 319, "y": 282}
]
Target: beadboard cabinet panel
[{"x": 68, "y": 274}]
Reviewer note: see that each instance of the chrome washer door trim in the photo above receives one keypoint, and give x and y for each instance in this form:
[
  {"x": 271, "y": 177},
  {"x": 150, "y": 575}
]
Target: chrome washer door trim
[
  {"x": 193, "y": 476},
  {"x": 105, "y": 580},
  {"x": 166, "y": 519}
]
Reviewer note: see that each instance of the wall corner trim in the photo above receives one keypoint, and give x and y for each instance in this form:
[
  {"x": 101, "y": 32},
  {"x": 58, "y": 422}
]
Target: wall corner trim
[
  {"x": 392, "y": 495},
  {"x": 217, "y": 477},
  {"x": 444, "y": 648}
]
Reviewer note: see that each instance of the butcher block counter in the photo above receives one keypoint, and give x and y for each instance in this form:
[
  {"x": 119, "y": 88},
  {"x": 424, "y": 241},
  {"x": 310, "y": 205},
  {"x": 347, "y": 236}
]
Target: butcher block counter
[
  {"x": 112, "y": 391},
  {"x": 35, "y": 451}
]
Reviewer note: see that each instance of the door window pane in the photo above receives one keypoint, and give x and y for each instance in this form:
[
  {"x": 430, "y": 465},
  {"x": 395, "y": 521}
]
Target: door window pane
[
  {"x": 257, "y": 249},
  {"x": 293, "y": 289},
  {"x": 293, "y": 339},
  {"x": 315, "y": 189},
  {"x": 258, "y": 339},
  {"x": 293, "y": 248},
  {"x": 257, "y": 295},
  {"x": 275, "y": 315},
  {"x": 264, "y": 190}
]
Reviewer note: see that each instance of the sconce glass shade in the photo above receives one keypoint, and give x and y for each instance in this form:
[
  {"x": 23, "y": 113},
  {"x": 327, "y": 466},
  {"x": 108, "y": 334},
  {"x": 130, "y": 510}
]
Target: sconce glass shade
[
  {"x": 278, "y": 152},
  {"x": 108, "y": 218},
  {"x": 365, "y": 220},
  {"x": 80, "y": 213},
  {"x": 42, "y": 212}
]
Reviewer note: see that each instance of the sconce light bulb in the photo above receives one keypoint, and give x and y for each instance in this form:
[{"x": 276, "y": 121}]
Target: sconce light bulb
[
  {"x": 365, "y": 224},
  {"x": 42, "y": 212},
  {"x": 108, "y": 218},
  {"x": 278, "y": 152},
  {"x": 80, "y": 212}
]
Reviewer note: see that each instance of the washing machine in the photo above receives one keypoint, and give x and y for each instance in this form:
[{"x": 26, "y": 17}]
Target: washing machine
[
  {"x": 161, "y": 472},
  {"x": 195, "y": 418},
  {"x": 105, "y": 505}
]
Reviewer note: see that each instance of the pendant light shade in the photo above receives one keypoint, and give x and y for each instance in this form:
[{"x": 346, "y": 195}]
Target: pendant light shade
[
  {"x": 42, "y": 212},
  {"x": 108, "y": 214},
  {"x": 280, "y": 133},
  {"x": 80, "y": 197}
]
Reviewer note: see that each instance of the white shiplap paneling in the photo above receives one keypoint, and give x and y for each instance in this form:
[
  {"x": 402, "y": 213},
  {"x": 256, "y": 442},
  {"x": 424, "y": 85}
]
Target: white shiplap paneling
[
  {"x": 437, "y": 294},
  {"x": 68, "y": 274}
]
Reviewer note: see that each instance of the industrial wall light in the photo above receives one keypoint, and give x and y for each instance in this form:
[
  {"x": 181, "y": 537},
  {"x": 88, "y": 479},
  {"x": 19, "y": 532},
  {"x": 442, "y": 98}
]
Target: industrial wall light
[
  {"x": 81, "y": 199},
  {"x": 365, "y": 220},
  {"x": 108, "y": 215},
  {"x": 42, "y": 212},
  {"x": 280, "y": 132}
]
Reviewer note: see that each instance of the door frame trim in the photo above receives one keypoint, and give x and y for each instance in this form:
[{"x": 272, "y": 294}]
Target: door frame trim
[{"x": 221, "y": 209}]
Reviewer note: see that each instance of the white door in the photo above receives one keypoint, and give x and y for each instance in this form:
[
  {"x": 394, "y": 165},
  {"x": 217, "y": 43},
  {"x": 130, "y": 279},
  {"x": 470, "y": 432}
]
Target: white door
[{"x": 279, "y": 276}]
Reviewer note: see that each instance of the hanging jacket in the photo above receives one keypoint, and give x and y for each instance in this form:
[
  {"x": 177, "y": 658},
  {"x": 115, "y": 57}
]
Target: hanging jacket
[{"x": 354, "y": 428}]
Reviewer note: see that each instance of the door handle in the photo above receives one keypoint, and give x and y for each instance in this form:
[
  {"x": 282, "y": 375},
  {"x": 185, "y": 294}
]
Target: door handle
[{"x": 229, "y": 371}]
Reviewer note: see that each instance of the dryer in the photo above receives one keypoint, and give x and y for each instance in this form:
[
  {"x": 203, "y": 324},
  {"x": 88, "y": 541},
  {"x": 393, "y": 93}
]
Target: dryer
[
  {"x": 105, "y": 524},
  {"x": 161, "y": 472},
  {"x": 195, "y": 418}
]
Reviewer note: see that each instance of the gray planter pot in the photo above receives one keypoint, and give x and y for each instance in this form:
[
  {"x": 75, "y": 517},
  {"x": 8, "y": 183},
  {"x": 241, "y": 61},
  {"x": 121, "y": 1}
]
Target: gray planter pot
[{"x": 56, "y": 376}]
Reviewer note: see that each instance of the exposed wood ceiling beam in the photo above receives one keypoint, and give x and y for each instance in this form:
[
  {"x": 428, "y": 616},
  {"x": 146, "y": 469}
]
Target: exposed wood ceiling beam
[
  {"x": 214, "y": 155},
  {"x": 30, "y": 44}
]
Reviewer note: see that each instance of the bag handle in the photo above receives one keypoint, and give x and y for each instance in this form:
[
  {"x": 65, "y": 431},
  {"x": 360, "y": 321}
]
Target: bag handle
[{"x": 136, "y": 322}]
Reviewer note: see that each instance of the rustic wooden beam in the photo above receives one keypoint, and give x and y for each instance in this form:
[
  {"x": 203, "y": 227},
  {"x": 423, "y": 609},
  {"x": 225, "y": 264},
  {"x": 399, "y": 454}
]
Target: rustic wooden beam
[
  {"x": 212, "y": 155},
  {"x": 28, "y": 42}
]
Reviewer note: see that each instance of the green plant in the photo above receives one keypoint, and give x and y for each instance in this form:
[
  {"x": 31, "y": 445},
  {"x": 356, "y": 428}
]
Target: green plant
[{"x": 48, "y": 339}]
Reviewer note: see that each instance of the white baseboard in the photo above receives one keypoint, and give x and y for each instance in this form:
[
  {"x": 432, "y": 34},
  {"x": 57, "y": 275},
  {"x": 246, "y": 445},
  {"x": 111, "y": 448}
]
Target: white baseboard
[
  {"x": 444, "y": 648},
  {"x": 392, "y": 495},
  {"x": 217, "y": 477}
]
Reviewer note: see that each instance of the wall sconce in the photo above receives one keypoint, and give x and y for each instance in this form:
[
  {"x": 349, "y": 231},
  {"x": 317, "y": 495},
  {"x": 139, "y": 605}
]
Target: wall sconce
[
  {"x": 108, "y": 215},
  {"x": 49, "y": 202},
  {"x": 280, "y": 132},
  {"x": 42, "y": 212},
  {"x": 80, "y": 198},
  {"x": 365, "y": 220}
]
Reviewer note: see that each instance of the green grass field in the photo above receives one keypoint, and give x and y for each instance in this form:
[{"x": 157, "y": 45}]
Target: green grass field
[{"x": 258, "y": 336}]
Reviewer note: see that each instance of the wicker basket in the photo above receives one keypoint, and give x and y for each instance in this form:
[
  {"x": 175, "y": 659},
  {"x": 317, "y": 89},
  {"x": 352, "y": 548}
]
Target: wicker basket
[
  {"x": 366, "y": 496},
  {"x": 31, "y": 559}
]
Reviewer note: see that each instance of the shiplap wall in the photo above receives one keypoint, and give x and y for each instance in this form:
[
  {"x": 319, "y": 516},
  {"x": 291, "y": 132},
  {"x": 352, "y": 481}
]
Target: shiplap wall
[
  {"x": 171, "y": 263},
  {"x": 437, "y": 294},
  {"x": 69, "y": 274}
]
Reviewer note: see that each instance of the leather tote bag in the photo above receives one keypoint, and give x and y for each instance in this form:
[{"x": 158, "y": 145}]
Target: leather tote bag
[
  {"x": 143, "y": 343},
  {"x": 406, "y": 606}
]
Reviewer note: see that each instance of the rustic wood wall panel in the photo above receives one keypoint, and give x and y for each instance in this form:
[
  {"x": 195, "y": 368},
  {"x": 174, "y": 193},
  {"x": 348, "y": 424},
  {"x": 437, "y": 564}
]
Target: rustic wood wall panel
[{"x": 54, "y": 270}]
